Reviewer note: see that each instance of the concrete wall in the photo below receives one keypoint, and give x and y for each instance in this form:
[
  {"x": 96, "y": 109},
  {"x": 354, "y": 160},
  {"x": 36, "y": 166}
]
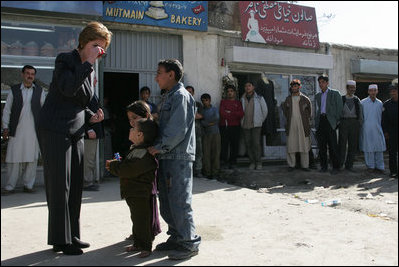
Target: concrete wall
[
  {"x": 343, "y": 55},
  {"x": 201, "y": 65}
]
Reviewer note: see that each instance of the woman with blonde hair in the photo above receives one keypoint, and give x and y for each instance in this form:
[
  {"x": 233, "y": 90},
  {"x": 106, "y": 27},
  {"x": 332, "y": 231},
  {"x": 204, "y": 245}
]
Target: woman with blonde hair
[{"x": 61, "y": 131}]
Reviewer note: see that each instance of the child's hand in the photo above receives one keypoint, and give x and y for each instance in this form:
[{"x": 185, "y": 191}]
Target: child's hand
[{"x": 107, "y": 163}]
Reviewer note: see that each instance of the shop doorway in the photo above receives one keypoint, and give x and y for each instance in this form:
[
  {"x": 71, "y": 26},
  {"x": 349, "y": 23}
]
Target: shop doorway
[{"x": 121, "y": 89}]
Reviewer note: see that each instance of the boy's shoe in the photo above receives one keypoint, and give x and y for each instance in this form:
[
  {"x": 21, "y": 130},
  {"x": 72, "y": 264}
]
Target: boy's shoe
[
  {"x": 29, "y": 190},
  {"x": 259, "y": 167},
  {"x": 182, "y": 254},
  {"x": 166, "y": 246},
  {"x": 93, "y": 187},
  {"x": 5, "y": 192}
]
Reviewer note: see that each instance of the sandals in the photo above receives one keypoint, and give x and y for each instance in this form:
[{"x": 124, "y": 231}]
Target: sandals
[
  {"x": 143, "y": 253},
  {"x": 132, "y": 248}
]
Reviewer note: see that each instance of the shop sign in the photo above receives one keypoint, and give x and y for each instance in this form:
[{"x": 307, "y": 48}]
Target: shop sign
[
  {"x": 190, "y": 15},
  {"x": 93, "y": 8},
  {"x": 277, "y": 23}
]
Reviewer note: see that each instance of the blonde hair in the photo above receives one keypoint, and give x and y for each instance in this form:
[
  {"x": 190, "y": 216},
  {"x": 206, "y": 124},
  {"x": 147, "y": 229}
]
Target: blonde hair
[{"x": 93, "y": 31}]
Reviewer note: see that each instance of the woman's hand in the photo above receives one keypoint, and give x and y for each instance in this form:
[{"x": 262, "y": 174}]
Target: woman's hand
[{"x": 98, "y": 117}]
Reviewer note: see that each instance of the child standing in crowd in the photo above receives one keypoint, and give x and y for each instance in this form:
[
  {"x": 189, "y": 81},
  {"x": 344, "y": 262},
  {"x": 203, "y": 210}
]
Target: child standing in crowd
[
  {"x": 210, "y": 138},
  {"x": 138, "y": 185},
  {"x": 231, "y": 113}
]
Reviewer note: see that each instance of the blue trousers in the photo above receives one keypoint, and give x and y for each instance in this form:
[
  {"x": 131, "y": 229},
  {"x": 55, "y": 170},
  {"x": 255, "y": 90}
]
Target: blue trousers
[
  {"x": 374, "y": 160},
  {"x": 175, "y": 194}
]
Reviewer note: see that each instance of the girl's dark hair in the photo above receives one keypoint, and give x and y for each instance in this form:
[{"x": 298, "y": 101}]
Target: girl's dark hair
[
  {"x": 149, "y": 128},
  {"x": 140, "y": 108},
  {"x": 173, "y": 65}
]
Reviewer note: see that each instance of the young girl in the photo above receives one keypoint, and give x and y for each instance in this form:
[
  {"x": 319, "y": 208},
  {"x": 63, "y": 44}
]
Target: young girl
[{"x": 138, "y": 186}]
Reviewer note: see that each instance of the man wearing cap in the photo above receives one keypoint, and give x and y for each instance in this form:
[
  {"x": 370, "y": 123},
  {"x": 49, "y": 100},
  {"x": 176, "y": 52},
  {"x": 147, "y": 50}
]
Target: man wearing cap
[
  {"x": 349, "y": 128},
  {"x": 328, "y": 114},
  {"x": 390, "y": 127},
  {"x": 372, "y": 137},
  {"x": 297, "y": 108}
]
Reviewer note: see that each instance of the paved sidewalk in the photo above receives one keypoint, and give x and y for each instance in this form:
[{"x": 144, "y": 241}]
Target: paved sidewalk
[{"x": 238, "y": 226}]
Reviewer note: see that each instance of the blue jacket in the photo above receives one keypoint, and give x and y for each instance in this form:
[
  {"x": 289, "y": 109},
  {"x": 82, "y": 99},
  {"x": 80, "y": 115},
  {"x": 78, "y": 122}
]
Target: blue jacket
[{"x": 176, "y": 125}]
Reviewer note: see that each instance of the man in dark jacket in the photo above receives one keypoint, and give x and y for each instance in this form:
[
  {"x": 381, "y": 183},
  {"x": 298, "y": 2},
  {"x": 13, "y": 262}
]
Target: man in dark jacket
[
  {"x": 390, "y": 128},
  {"x": 349, "y": 128}
]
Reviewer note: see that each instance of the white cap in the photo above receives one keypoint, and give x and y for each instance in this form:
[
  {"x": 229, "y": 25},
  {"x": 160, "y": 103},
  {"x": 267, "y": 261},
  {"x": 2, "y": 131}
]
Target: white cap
[
  {"x": 373, "y": 86},
  {"x": 351, "y": 82}
]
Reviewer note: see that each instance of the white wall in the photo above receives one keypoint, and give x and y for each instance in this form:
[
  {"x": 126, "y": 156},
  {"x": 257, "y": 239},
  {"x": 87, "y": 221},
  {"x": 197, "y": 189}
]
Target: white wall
[{"x": 201, "y": 65}]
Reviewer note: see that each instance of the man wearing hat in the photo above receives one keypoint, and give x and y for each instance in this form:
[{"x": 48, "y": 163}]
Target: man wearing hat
[
  {"x": 372, "y": 137},
  {"x": 349, "y": 128},
  {"x": 390, "y": 127},
  {"x": 297, "y": 109}
]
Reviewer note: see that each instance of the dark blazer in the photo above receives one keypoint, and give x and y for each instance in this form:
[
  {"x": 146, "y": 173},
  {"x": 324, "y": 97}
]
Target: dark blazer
[
  {"x": 69, "y": 95},
  {"x": 17, "y": 105},
  {"x": 136, "y": 172},
  {"x": 334, "y": 107}
]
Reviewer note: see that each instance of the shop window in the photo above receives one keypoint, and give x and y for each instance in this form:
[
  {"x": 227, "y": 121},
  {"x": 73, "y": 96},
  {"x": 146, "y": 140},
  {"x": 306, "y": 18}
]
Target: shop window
[{"x": 31, "y": 44}]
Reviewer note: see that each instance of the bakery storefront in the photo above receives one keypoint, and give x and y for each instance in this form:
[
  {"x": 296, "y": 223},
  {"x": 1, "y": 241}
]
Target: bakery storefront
[{"x": 33, "y": 33}]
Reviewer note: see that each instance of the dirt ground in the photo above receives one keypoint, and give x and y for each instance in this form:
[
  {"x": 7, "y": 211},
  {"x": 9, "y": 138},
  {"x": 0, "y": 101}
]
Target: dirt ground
[{"x": 373, "y": 194}]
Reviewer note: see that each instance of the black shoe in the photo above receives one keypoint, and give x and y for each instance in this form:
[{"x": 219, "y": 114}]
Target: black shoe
[
  {"x": 6, "y": 192},
  {"x": 290, "y": 169},
  {"x": 57, "y": 248},
  {"x": 130, "y": 237},
  {"x": 80, "y": 244},
  {"x": 350, "y": 169},
  {"x": 29, "y": 190},
  {"x": 306, "y": 169},
  {"x": 68, "y": 249},
  {"x": 93, "y": 187},
  {"x": 182, "y": 254},
  {"x": 393, "y": 175},
  {"x": 166, "y": 246},
  {"x": 323, "y": 170},
  {"x": 334, "y": 171},
  {"x": 379, "y": 171}
]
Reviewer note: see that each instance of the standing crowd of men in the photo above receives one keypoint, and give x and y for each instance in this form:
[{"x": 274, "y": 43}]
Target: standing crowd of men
[{"x": 363, "y": 125}]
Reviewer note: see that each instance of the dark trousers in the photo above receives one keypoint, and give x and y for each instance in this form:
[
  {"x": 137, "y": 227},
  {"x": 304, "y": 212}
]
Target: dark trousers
[
  {"x": 393, "y": 152},
  {"x": 63, "y": 177},
  {"x": 349, "y": 130},
  {"x": 141, "y": 214},
  {"x": 326, "y": 136},
  {"x": 230, "y": 137}
]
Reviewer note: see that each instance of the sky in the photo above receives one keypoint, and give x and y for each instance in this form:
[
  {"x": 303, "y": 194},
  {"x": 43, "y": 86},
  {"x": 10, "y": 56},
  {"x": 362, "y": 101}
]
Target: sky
[{"x": 357, "y": 23}]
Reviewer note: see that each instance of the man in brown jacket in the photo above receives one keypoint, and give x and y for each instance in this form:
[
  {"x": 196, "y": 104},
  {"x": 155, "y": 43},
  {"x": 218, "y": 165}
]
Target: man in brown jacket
[{"x": 297, "y": 109}]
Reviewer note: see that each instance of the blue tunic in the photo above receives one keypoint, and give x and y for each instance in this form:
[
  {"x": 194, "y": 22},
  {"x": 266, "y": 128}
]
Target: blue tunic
[{"x": 372, "y": 138}]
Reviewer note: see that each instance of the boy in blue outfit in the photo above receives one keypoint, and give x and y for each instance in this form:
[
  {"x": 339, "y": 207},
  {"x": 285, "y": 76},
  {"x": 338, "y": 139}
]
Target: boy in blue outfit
[{"x": 211, "y": 138}]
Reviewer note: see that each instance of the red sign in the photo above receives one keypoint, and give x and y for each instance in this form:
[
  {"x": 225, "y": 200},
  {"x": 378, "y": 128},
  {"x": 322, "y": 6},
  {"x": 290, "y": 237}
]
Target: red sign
[{"x": 279, "y": 24}]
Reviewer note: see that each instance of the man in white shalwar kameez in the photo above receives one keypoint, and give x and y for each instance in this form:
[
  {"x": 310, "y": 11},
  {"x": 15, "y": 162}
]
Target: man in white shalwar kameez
[
  {"x": 372, "y": 137},
  {"x": 19, "y": 116}
]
